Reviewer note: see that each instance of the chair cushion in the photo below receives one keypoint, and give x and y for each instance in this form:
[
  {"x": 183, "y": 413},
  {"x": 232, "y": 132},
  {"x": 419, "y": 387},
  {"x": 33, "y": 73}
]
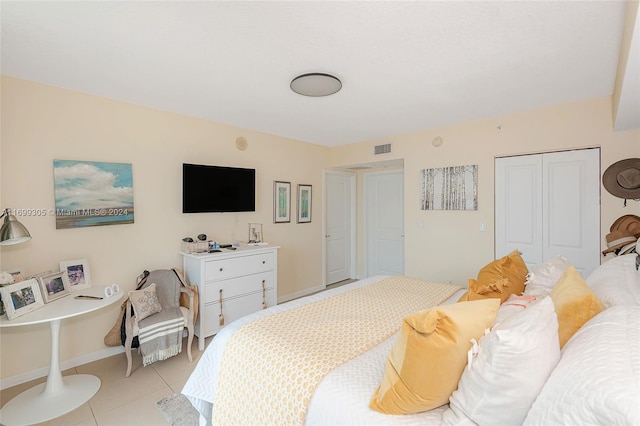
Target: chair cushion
[{"x": 145, "y": 302}]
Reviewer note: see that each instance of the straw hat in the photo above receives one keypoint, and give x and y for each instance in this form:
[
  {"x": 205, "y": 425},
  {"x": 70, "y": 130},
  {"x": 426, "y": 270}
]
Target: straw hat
[
  {"x": 629, "y": 223},
  {"x": 618, "y": 238},
  {"x": 622, "y": 179}
]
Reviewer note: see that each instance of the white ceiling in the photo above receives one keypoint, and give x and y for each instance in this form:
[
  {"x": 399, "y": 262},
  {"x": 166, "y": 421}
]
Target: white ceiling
[{"x": 405, "y": 66}]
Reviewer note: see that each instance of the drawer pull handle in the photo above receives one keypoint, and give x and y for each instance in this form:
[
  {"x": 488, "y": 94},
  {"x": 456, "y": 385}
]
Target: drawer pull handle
[
  {"x": 264, "y": 296},
  {"x": 220, "y": 269},
  {"x": 220, "y": 317},
  {"x": 264, "y": 261}
]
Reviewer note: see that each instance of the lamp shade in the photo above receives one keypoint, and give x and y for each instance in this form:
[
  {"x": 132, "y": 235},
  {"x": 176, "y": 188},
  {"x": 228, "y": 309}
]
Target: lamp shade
[{"x": 12, "y": 231}]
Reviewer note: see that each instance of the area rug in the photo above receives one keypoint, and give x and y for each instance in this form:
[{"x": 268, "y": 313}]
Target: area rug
[{"x": 178, "y": 410}]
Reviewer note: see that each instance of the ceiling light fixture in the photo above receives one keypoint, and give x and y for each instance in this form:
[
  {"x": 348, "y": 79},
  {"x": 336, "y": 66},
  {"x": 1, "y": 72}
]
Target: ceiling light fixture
[{"x": 316, "y": 84}]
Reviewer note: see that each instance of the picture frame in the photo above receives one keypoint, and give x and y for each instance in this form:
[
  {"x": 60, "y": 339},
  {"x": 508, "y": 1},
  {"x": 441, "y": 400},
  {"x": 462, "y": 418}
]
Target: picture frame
[
  {"x": 304, "y": 203},
  {"x": 21, "y": 298},
  {"x": 54, "y": 286},
  {"x": 255, "y": 233},
  {"x": 281, "y": 202},
  {"x": 78, "y": 272}
]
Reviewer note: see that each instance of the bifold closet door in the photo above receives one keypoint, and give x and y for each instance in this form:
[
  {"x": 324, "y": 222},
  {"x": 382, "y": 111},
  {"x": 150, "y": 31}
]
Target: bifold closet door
[{"x": 548, "y": 205}]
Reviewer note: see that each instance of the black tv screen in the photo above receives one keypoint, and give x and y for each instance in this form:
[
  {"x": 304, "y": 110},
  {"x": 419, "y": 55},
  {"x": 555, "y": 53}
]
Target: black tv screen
[{"x": 217, "y": 189}]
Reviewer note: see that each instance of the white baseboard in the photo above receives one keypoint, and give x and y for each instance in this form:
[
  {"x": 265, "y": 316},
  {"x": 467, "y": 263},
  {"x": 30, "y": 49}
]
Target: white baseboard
[
  {"x": 18, "y": 379},
  {"x": 301, "y": 293}
]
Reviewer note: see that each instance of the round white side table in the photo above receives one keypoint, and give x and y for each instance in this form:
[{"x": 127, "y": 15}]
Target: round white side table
[{"x": 58, "y": 395}]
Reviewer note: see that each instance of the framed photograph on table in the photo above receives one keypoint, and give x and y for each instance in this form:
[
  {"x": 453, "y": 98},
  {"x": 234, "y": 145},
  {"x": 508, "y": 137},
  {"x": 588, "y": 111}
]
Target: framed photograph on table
[
  {"x": 21, "y": 298},
  {"x": 54, "y": 286},
  {"x": 281, "y": 202},
  {"x": 78, "y": 273},
  {"x": 304, "y": 203}
]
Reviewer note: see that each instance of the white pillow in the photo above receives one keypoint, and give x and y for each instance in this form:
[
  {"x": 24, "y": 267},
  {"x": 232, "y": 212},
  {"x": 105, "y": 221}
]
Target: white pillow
[
  {"x": 515, "y": 304},
  {"x": 547, "y": 274},
  {"x": 511, "y": 367},
  {"x": 596, "y": 380},
  {"x": 617, "y": 282}
]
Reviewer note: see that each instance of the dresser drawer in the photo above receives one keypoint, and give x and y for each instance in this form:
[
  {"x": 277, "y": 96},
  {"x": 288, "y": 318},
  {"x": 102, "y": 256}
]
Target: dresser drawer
[
  {"x": 240, "y": 266},
  {"x": 238, "y": 286},
  {"x": 232, "y": 310}
]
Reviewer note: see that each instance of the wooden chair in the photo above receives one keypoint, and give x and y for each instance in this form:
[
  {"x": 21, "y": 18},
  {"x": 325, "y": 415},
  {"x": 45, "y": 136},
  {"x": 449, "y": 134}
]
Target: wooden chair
[{"x": 169, "y": 285}]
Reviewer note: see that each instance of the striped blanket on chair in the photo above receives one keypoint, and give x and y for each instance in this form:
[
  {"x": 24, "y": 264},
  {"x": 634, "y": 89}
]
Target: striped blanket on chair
[{"x": 160, "y": 335}]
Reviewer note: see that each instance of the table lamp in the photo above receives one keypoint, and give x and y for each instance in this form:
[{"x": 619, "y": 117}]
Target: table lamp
[{"x": 12, "y": 231}]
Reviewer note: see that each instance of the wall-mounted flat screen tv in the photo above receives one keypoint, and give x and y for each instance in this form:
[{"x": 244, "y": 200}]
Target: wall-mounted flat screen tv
[{"x": 217, "y": 189}]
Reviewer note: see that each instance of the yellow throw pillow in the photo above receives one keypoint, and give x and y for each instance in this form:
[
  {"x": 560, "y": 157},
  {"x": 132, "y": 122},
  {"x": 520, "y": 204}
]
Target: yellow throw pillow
[
  {"x": 575, "y": 303},
  {"x": 499, "y": 279},
  {"x": 429, "y": 355}
]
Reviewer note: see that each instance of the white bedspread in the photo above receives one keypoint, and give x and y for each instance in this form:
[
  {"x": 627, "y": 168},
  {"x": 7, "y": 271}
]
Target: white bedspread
[{"x": 343, "y": 395}]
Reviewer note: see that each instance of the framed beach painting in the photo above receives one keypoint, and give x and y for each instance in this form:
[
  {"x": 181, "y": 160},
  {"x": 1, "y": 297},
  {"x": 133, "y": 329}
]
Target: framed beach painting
[
  {"x": 281, "y": 202},
  {"x": 304, "y": 203},
  {"x": 89, "y": 193}
]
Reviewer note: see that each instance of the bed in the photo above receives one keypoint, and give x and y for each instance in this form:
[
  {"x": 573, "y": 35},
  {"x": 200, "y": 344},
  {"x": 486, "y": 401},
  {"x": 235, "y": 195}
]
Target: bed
[{"x": 600, "y": 385}]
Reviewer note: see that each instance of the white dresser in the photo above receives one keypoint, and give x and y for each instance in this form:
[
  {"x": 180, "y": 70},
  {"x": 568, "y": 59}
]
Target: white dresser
[{"x": 243, "y": 280}]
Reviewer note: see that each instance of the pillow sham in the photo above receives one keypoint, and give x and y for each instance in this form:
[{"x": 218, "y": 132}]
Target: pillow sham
[
  {"x": 575, "y": 303},
  {"x": 547, "y": 274},
  {"x": 429, "y": 354},
  {"x": 510, "y": 368},
  {"x": 616, "y": 281},
  {"x": 596, "y": 380},
  {"x": 499, "y": 279},
  {"x": 145, "y": 302}
]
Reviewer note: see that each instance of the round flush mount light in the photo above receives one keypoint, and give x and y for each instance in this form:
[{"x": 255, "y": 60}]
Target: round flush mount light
[{"x": 316, "y": 84}]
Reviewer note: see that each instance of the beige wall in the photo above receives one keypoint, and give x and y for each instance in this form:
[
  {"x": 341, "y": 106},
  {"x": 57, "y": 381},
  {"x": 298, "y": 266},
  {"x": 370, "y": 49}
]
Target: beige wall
[
  {"x": 451, "y": 247},
  {"x": 42, "y": 123}
]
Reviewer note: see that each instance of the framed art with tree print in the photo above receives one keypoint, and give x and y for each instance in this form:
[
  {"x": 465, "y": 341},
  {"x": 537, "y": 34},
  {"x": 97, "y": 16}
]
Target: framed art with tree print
[
  {"x": 304, "y": 203},
  {"x": 281, "y": 202}
]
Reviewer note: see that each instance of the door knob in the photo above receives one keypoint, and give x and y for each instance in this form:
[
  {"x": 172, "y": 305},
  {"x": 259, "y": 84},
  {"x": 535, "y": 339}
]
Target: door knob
[{"x": 327, "y": 236}]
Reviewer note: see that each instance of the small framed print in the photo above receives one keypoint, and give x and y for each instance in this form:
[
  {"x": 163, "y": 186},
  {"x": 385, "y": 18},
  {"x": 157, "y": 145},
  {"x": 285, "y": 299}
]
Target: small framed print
[
  {"x": 54, "y": 286},
  {"x": 21, "y": 298},
  {"x": 78, "y": 272},
  {"x": 304, "y": 203},
  {"x": 281, "y": 202}
]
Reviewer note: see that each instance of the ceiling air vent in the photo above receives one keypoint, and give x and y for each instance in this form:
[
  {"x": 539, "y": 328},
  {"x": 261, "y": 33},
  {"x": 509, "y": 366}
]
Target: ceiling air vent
[{"x": 382, "y": 149}]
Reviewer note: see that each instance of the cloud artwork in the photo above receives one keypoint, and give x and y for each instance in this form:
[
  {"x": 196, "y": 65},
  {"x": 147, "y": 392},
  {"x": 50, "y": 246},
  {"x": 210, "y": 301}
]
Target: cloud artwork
[{"x": 92, "y": 193}]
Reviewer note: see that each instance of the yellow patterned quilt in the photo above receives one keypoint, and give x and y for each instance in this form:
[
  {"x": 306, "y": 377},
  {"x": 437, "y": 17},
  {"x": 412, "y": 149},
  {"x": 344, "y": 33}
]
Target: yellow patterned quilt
[{"x": 271, "y": 367}]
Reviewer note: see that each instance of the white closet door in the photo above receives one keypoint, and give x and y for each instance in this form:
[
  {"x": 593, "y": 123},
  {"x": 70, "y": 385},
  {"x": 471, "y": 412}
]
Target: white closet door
[
  {"x": 518, "y": 213},
  {"x": 571, "y": 226},
  {"x": 548, "y": 205}
]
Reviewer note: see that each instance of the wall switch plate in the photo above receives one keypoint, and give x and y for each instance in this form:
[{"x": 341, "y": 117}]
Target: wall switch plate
[{"x": 483, "y": 227}]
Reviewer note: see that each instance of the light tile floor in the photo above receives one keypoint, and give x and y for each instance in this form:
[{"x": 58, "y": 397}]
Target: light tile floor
[
  {"x": 127, "y": 401},
  {"x": 124, "y": 401}
]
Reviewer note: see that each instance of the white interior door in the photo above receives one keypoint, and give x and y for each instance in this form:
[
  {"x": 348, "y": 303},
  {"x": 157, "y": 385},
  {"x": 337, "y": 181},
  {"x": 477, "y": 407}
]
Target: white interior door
[
  {"x": 339, "y": 195},
  {"x": 384, "y": 217},
  {"x": 548, "y": 205}
]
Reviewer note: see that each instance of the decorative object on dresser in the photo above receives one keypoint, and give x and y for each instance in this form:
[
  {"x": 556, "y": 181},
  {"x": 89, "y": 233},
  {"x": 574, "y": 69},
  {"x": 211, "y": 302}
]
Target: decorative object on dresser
[
  {"x": 281, "y": 202},
  {"x": 78, "y": 272},
  {"x": 241, "y": 282},
  {"x": 54, "y": 286},
  {"x": 255, "y": 233},
  {"x": 304, "y": 203}
]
